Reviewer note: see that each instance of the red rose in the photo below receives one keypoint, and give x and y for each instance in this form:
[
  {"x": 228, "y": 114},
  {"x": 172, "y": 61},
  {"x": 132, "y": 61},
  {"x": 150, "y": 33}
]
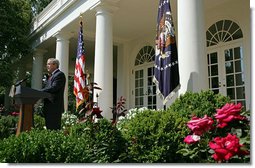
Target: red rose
[
  {"x": 200, "y": 125},
  {"x": 190, "y": 139},
  {"x": 228, "y": 113},
  {"x": 15, "y": 113},
  {"x": 226, "y": 147}
]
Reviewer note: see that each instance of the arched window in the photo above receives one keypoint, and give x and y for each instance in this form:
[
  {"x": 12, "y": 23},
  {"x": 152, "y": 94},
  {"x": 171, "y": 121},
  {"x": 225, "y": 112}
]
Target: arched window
[
  {"x": 223, "y": 31},
  {"x": 146, "y": 54},
  {"x": 145, "y": 89},
  {"x": 225, "y": 60}
]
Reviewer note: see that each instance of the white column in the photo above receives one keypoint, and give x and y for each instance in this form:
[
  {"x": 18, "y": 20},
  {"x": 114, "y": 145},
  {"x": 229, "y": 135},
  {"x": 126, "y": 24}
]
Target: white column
[
  {"x": 37, "y": 70},
  {"x": 123, "y": 72},
  {"x": 62, "y": 54},
  {"x": 103, "y": 68},
  {"x": 252, "y": 9},
  {"x": 191, "y": 46}
]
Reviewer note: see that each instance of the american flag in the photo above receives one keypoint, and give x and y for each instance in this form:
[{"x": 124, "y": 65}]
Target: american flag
[
  {"x": 166, "y": 69},
  {"x": 79, "y": 76}
]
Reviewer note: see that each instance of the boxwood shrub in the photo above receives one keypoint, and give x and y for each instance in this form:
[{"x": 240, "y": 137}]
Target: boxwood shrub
[
  {"x": 8, "y": 125},
  {"x": 153, "y": 137},
  {"x": 199, "y": 104},
  {"x": 85, "y": 143}
]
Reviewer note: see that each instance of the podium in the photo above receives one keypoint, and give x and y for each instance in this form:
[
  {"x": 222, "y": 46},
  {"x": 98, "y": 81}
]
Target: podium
[{"x": 26, "y": 98}]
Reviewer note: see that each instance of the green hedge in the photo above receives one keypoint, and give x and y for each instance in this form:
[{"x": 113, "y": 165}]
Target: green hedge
[
  {"x": 145, "y": 136},
  {"x": 153, "y": 137},
  {"x": 8, "y": 125},
  {"x": 86, "y": 143},
  {"x": 199, "y": 104}
]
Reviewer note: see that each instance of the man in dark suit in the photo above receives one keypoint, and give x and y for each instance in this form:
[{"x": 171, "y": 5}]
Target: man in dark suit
[{"x": 55, "y": 85}]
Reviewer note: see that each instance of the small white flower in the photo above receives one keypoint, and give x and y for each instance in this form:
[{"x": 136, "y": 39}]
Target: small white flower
[{"x": 195, "y": 137}]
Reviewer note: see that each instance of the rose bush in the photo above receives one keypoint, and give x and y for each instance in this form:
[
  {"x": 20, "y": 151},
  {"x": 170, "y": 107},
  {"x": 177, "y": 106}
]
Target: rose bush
[{"x": 226, "y": 138}]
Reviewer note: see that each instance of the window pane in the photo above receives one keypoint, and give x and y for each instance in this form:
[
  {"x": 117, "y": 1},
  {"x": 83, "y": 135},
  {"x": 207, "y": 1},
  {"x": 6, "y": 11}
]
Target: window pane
[
  {"x": 141, "y": 91},
  {"x": 237, "y": 53},
  {"x": 231, "y": 93},
  {"x": 230, "y": 80},
  {"x": 212, "y": 29},
  {"x": 141, "y": 82},
  {"x": 154, "y": 100},
  {"x": 141, "y": 100},
  {"x": 238, "y": 34},
  {"x": 240, "y": 93},
  {"x": 227, "y": 38},
  {"x": 149, "y": 81},
  {"x": 233, "y": 28},
  {"x": 154, "y": 89},
  {"x": 228, "y": 55},
  {"x": 239, "y": 79},
  {"x": 238, "y": 66},
  {"x": 214, "y": 69},
  {"x": 141, "y": 74},
  {"x": 214, "y": 58},
  {"x": 227, "y": 24},
  {"x": 149, "y": 100},
  {"x": 219, "y": 24},
  {"x": 215, "y": 82},
  {"x": 149, "y": 72},
  {"x": 229, "y": 67}
]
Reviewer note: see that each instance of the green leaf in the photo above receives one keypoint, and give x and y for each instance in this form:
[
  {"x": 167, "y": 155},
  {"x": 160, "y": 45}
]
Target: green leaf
[
  {"x": 184, "y": 152},
  {"x": 238, "y": 132}
]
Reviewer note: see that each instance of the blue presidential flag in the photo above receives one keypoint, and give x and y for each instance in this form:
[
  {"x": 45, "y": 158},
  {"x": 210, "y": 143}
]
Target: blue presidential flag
[{"x": 166, "y": 69}]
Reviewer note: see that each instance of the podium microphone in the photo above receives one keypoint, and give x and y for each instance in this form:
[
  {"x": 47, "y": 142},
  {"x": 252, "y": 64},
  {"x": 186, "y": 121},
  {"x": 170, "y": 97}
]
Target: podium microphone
[{"x": 21, "y": 81}]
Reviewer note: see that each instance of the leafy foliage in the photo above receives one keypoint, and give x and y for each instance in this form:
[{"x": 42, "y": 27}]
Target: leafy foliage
[
  {"x": 198, "y": 104},
  {"x": 7, "y": 126},
  {"x": 156, "y": 136},
  {"x": 119, "y": 110},
  {"x": 39, "y": 122},
  {"x": 39, "y": 5},
  {"x": 103, "y": 140},
  {"x": 86, "y": 143},
  {"x": 141, "y": 136},
  {"x": 153, "y": 137},
  {"x": 15, "y": 22}
]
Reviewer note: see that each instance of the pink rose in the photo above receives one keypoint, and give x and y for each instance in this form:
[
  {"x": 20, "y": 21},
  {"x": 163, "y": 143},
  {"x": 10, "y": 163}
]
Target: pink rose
[
  {"x": 190, "y": 139},
  {"x": 200, "y": 125},
  {"x": 228, "y": 113},
  {"x": 226, "y": 147}
]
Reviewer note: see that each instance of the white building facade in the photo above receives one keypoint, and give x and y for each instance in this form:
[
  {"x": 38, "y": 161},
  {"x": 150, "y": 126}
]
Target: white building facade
[{"x": 213, "y": 41}]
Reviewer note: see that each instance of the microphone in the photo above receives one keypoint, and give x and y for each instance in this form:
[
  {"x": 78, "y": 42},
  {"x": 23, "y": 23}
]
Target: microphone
[{"x": 21, "y": 81}]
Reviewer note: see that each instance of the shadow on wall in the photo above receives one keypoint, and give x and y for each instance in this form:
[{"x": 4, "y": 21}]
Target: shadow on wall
[{"x": 193, "y": 82}]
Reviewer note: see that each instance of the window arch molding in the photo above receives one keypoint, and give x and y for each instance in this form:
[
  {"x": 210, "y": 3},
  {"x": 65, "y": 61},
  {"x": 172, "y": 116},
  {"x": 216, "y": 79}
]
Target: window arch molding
[
  {"x": 145, "y": 55},
  {"x": 223, "y": 31}
]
